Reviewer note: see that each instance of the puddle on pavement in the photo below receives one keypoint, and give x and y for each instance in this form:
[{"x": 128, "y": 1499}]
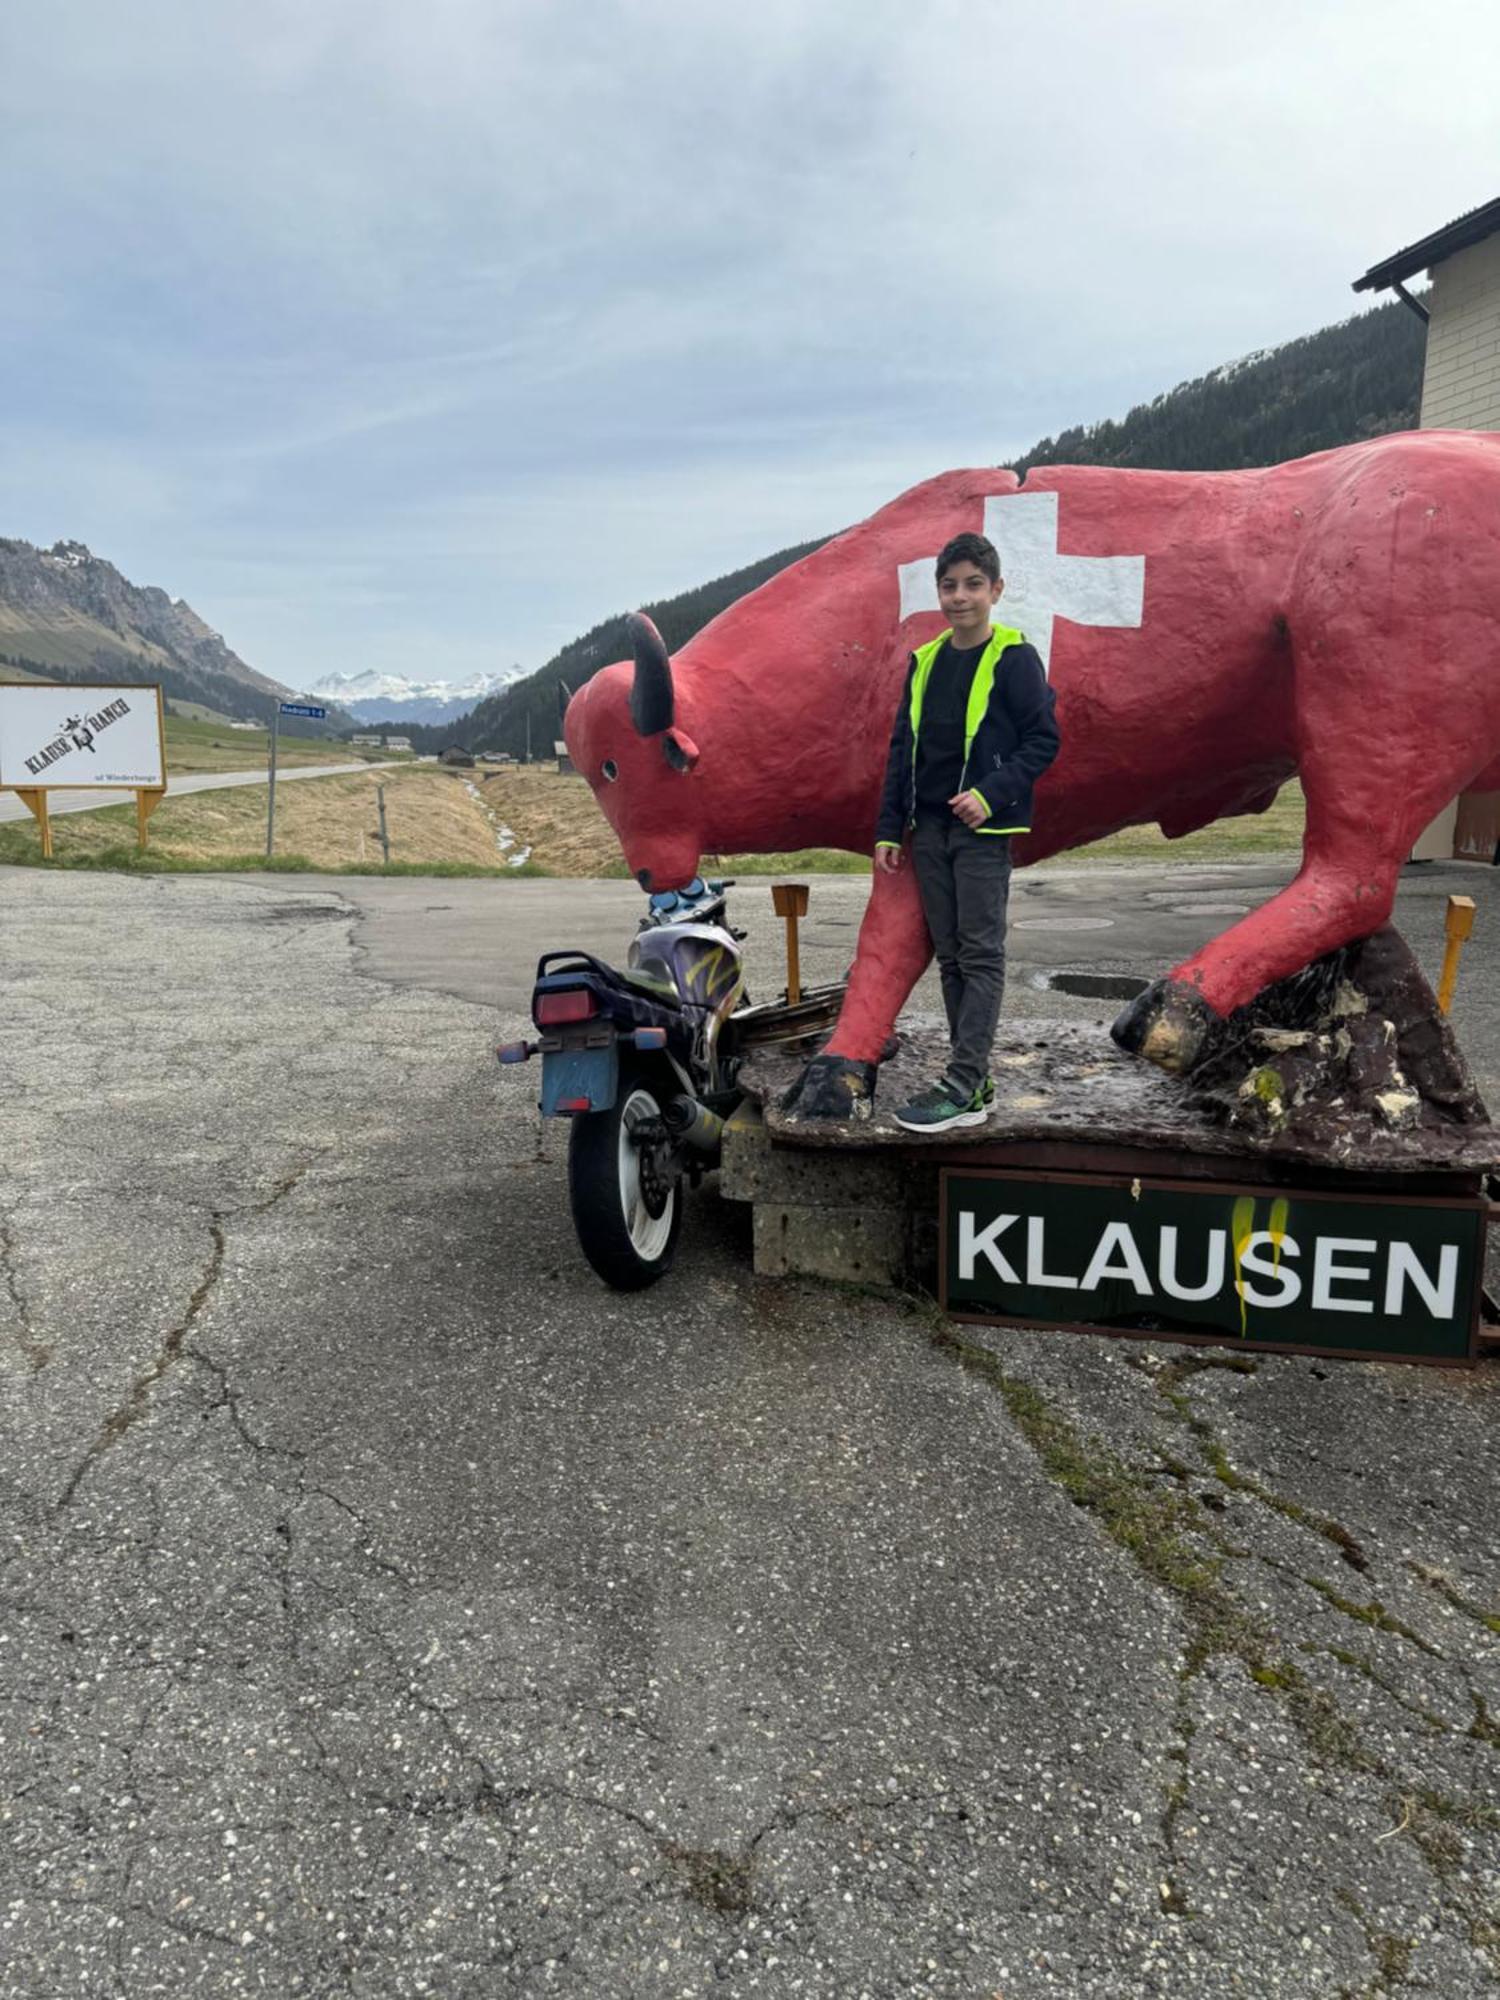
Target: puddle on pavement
[
  {"x": 1064, "y": 924},
  {"x": 1094, "y": 985}
]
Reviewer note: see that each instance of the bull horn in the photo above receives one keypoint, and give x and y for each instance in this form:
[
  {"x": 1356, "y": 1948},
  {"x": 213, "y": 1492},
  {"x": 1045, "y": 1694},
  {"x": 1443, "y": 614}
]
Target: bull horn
[
  {"x": 651, "y": 691},
  {"x": 564, "y": 696}
]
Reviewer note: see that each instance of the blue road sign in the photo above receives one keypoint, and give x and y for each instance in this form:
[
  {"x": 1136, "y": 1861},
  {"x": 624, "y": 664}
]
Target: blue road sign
[{"x": 303, "y": 708}]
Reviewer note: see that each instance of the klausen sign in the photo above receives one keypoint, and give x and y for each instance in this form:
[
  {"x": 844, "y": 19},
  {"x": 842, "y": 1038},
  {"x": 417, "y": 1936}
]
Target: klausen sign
[
  {"x": 75, "y": 736},
  {"x": 1279, "y": 1268}
]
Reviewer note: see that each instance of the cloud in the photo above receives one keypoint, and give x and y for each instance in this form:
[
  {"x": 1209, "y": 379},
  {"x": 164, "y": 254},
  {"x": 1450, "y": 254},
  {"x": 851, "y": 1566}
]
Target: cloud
[{"x": 338, "y": 316}]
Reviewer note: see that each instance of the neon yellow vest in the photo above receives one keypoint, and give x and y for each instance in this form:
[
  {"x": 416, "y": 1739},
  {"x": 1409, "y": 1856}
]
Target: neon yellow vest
[{"x": 980, "y": 689}]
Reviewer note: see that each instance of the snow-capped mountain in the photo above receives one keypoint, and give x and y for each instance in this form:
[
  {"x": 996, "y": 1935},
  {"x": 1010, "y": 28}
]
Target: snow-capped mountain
[{"x": 373, "y": 697}]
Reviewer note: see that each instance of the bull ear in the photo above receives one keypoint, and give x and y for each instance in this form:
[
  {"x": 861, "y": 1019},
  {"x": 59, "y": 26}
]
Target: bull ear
[
  {"x": 564, "y": 696},
  {"x": 651, "y": 690},
  {"x": 679, "y": 749}
]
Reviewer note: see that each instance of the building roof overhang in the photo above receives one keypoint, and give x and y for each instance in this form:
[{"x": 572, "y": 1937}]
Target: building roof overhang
[{"x": 1460, "y": 234}]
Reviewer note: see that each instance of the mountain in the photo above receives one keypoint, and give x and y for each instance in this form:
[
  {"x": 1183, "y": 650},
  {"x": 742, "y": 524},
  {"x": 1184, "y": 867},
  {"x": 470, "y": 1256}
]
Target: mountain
[
  {"x": 67, "y": 614},
  {"x": 375, "y": 697},
  {"x": 500, "y": 723},
  {"x": 1358, "y": 379}
]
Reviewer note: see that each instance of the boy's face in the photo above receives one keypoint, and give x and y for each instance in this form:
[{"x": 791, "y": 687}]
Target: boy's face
[{"x": 967, "y": 597}]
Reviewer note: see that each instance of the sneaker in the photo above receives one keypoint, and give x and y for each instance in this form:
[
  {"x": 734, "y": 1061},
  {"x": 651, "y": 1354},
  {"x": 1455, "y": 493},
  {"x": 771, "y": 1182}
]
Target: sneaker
[{"x": 940, "y": 1109}]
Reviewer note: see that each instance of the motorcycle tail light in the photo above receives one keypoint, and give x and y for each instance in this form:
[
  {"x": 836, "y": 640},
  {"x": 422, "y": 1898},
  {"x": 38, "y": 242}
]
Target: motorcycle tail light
[
  {"x": 575, "y": 1104},
  {"x": 553, "y": 1009}
]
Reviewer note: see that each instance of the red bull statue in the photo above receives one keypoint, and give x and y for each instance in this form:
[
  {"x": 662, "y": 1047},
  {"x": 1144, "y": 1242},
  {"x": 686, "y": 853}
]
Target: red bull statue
[{"x": 1209, "y": 635}]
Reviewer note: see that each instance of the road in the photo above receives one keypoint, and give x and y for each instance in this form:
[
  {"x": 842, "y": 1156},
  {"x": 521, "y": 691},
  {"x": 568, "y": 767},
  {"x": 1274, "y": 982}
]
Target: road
[
  {"x": 390, "y": 1610},
  {"x": 11, "y": 807},
  {"x": 479, "y": 940}
]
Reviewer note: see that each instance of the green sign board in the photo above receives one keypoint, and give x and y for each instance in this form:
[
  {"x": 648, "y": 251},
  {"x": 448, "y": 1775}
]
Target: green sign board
[{"x": 1261, "y": 1267}]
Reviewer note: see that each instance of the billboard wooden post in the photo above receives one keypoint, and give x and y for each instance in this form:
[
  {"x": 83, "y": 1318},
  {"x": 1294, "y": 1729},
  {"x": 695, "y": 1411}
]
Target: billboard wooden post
[
  {"x": 35, "y": 801},
  {"x": 147, "y": 799}
]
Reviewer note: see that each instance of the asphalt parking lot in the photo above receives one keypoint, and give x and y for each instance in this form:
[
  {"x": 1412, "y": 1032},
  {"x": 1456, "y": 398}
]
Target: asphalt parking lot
[{"x": 390, "y": 1610}]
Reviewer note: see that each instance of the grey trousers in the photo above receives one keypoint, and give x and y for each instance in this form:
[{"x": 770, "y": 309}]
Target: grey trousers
[{"x": 964, "y": 879}]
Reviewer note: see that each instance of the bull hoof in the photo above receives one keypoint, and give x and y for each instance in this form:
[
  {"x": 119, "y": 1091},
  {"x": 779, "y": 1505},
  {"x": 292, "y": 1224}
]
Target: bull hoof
[
  {"x": 833, "y": 1087},
  {"x": 1169, "y": 1024}
]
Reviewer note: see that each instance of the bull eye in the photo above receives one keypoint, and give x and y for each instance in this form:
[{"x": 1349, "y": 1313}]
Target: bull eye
[{"x": 610, "y": 769}]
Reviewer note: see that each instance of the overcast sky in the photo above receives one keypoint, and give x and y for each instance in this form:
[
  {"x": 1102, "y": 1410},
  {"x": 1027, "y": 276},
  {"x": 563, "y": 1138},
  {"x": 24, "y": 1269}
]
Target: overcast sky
[{"x": 421, "y": 336}]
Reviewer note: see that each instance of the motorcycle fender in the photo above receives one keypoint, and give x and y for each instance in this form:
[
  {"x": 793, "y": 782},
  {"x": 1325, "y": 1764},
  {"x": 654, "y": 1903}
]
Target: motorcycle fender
[{"x": 571, "y": 1074}]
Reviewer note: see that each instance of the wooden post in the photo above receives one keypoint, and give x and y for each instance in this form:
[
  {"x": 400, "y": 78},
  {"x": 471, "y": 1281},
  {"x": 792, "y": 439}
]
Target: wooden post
[
  {"x": 147, "y": 799},
  {"x": 34, "y": 798},
  {"x": 1456, "y": 927},
  {"x": 383, "y": 837},
  {"x": 789, "y": 900}
]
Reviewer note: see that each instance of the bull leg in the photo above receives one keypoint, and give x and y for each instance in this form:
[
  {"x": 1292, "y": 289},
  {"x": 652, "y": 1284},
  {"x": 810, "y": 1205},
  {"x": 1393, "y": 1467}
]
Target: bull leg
[
  {"x": 1361, "y": 822},
  {"x": 891, "y": 956}
]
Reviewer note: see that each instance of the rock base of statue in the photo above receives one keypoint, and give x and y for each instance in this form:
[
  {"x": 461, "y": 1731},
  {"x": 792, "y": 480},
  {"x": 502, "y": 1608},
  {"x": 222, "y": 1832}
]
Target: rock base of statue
[{"x": 1320, "y": 1183}]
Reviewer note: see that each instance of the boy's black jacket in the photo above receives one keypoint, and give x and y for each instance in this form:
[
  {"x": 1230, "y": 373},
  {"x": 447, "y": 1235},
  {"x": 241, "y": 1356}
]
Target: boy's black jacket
[{"x": 1013, "y": 745}]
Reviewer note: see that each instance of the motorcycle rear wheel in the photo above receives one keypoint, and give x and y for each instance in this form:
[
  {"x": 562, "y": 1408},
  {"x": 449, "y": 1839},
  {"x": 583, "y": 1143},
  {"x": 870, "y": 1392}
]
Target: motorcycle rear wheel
[{"x": 627, "y": 1245}]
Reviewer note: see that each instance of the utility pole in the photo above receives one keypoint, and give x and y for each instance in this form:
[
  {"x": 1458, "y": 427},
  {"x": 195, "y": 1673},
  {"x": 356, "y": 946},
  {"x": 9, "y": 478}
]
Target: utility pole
[
  {"x": 271, "y": 797},
  {"x": 382, "y": 836},
  {"x": 528, "y": 735},
  {"x": 315, "y": 714}
]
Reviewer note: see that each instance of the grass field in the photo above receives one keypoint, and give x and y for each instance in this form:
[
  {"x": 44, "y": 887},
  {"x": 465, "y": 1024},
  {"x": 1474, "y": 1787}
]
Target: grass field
[
  {"x": 212, "y": 746},
  {"x": 487, "y": 822},
  {"x": 569, "y": 836},
  {"x": 434, "y": 824}
]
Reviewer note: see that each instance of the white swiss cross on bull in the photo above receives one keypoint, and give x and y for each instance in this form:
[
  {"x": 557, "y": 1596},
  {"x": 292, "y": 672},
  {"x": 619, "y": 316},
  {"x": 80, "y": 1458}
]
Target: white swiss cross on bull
[{"x": 1040, "y": 584}]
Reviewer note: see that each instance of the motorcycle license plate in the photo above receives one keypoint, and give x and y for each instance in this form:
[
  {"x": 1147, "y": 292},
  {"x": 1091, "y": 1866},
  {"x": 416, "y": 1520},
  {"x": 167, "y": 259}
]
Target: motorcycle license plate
[{"x": 575, "y": 1081}]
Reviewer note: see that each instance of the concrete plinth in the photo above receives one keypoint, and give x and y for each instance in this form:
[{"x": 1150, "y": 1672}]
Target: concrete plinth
[
  {"x": 858, "y": 1202},
  {"x": 862, "y": 1218}
]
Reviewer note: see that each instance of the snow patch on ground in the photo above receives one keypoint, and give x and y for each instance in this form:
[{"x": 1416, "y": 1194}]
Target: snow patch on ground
[{"x": 505, "y": 836}]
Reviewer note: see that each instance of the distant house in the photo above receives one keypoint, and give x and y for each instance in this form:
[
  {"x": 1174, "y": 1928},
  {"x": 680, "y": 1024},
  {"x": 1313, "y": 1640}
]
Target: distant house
[
  {"x": 369, "y": 741},
  {"x": 565, "y": 765},
  {"x": 398, "y": 743},
  {"x": 247, "y": 725}
]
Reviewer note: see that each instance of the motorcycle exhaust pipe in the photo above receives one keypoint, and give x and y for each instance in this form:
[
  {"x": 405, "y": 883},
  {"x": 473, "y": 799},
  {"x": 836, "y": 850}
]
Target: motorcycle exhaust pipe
[{"x": 692, "y": 1124}]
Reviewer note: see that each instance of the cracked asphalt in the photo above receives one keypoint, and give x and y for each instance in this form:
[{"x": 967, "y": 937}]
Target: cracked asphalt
[{"x": 387, "y": 1609}]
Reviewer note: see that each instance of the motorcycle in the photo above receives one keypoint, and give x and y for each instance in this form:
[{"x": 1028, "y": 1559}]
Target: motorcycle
[{"x": 644, "y": 1062}]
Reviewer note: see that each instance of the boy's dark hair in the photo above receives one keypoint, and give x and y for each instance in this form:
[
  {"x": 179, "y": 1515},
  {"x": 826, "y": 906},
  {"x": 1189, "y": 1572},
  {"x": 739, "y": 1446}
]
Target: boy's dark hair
[{"x": 970, "y": 548}]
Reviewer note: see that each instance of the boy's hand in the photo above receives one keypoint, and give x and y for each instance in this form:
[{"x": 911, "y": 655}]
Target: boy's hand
[
  {"x": 970, "y": 808},
  {"x": 888, "y": 859}
]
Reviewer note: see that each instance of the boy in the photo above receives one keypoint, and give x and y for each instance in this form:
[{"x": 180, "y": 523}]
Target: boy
[{"x": 974, "y": 731}]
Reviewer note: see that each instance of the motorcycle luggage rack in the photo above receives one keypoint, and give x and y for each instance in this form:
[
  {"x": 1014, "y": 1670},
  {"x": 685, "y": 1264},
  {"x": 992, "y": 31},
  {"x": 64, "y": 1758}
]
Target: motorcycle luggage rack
[{"x": 559, "y": 970}]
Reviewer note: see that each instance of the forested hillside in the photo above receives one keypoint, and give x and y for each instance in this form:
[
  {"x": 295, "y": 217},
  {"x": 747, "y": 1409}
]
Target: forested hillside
[{"x": 1358, "y": 379}]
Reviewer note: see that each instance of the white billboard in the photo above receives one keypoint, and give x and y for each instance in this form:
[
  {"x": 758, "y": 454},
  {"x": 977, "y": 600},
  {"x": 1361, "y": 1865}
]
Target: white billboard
[{"x": 68, "y": 734}]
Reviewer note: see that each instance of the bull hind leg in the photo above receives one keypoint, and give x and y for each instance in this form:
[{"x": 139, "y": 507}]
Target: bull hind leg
[
  {"x": 893, "y": 952},
  {"x": 1373, "y": 781}
]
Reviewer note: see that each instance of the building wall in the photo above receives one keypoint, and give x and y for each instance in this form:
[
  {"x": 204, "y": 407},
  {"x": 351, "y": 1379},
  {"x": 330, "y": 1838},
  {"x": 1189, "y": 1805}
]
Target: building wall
[
  {"x": 1461, "y": 391},
  {"x": 1461, "y": 385}
]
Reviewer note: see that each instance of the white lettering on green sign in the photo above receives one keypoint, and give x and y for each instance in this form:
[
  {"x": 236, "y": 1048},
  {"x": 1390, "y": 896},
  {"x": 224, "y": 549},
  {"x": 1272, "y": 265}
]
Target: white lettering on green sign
[{"x": 1269, "y": 1267}]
